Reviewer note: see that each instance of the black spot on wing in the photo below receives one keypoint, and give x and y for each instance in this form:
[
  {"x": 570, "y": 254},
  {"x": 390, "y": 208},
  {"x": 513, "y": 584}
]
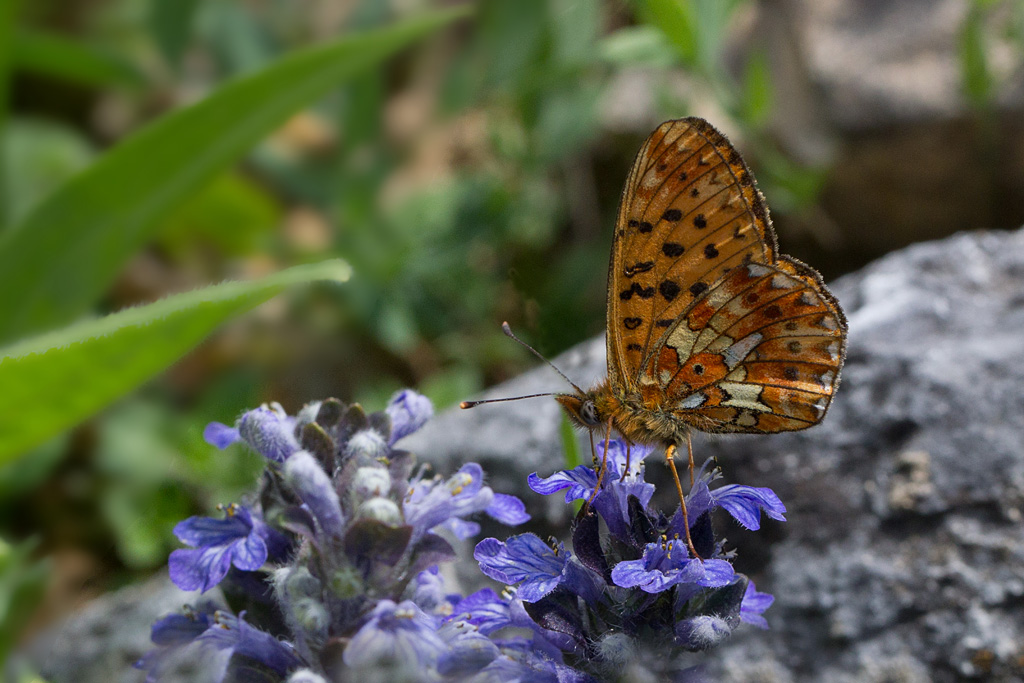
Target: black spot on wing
[{"x": 669, "y": 289}]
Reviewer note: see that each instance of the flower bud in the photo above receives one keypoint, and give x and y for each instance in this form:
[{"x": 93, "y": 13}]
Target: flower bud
[
  {"x": 307, "y": 414},
  {"x": 299, "y": 583},
  {"x": 382, "y": 510},
  {"x": 408, "y": 412},
  {"x": 312, "y": 618},
  {"x": 617, "y": 649},
  {"x": 703, "y": 632},
  {"x": 269, "y": 432},
  {"x": 367, "y": 445},
  {"x": 371, "y": 481},
  {"x": 347, "y": 583},
  {"x": 305, "y": 475}
]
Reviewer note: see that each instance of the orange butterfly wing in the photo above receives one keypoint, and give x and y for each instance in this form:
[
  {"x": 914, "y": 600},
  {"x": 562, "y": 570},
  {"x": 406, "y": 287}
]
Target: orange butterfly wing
[{"x": 699, "y": 304}]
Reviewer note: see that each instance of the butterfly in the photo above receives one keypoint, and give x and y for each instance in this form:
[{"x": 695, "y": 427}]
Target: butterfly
[{"x": 709, "y": 328}]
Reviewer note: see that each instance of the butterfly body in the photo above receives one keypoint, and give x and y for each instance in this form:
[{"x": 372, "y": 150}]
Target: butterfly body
[{"x": 708, "y": 327}]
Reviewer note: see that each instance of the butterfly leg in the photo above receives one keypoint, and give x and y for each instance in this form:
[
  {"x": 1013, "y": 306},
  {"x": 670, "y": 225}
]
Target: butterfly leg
[
  {"x": 626, "y": 472},
  {"x": 689, "y": 450},
  {"x": 604, "y": 464},
  {"x": 670, "y": 460}
]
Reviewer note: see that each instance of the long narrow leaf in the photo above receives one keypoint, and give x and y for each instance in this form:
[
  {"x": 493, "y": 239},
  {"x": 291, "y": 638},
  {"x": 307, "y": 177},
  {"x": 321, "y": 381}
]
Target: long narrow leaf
[
  {"x": 56, "y": 380},
  {"x": 60, "y": 57},
  {"x": 60, "y": 260}
]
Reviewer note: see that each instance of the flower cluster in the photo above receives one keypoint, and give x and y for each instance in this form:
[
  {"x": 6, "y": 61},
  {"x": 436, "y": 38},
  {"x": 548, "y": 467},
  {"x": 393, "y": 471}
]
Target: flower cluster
[
  {"x": 331, "y": 570},
  {"x": 630, "y": 594}
]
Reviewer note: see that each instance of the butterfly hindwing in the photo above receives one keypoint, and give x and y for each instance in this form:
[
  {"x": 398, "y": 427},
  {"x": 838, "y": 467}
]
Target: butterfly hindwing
[
  {"x": 758, "y": 352},
  {"x": 690, "y": 214}
]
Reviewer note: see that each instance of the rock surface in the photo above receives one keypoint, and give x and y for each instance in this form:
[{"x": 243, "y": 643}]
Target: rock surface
[{"x": 903, "y": 556}]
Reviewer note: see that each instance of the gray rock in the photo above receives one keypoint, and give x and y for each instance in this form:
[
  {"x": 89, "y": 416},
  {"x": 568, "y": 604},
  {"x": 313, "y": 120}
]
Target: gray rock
[
  {"x": 903, "y": 556},
  {"x": 100, "y": 643}
]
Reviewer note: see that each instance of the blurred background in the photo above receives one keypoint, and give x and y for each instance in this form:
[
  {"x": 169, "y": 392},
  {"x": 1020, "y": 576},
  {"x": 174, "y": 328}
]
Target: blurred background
[{"x": 471, "y": 179}]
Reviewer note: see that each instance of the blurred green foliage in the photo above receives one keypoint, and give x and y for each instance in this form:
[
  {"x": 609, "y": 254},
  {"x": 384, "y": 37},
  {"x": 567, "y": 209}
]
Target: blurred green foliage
[{"x": 459, "y": 181}]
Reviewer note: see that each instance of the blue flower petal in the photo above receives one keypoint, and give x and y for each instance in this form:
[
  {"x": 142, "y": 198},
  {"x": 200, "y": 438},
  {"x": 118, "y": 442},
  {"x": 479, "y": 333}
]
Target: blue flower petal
[
  {"x": 395, "y": 634},
  {"x": 199, "y": 569},
  {"x": 754, "y": 605},
  {"x": 408, "y": 412},
  {"x": 507, "y": 510},
  {"x": 524, "y": 558},
  {"x": 580, "y": 481},
  {"x": 483, "y": 609},
  {"x": 745, "y": 503},
  {"x": 220, "y": 435},
  {"x": 218, "y": 543},
  {"x": 236, "y": 635}
]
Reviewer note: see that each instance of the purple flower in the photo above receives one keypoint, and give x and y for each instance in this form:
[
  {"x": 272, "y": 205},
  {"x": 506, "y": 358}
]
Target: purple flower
[
  {"x": 667, "y": 564},
  {"x": 435, "y": 502},
  {"x": 171, "y": 635},
  {"x": 483, "y": 609},
  {"x": 238, "y": 637},
  {"x": 745, "y": 504},
  {"x": 523, "y": 559},
  {"x": 754, "y": 605},
  {"x": 270, "y": 432},
  {"x": 220, "y": 435},
  {"x": 239, "y": 538},
  {"x": 469, "y": 651},
  {"x": 427, "y": 591},
  {"x": 400, "y": 634},
  {"x": 307, "y": 478},
  {"x": 612, "y": 502},
  {"x": 408, "y": 412}
]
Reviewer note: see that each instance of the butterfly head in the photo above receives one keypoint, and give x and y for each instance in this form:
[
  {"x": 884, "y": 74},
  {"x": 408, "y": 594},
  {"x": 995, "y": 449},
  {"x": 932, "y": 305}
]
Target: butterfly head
[{"x": 585, "y": 409}]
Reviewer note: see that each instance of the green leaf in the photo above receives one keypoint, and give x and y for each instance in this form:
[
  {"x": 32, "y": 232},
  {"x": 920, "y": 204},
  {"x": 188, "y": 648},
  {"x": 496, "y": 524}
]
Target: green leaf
[
  {"x": 55, "y": 55},
  {"x": 22, "y": 585},
  {"x": 7, "y": 14},
  {"x": 757, "y": 97},
  {"x": 638, "y": 45},
  {"x": 54, "y": 381},
  {"x": 171, "y": 25},
  {"x": 675, "y": 19},
  {"x": 978, "y": 83},
  {"x": 58, "y": 262}
]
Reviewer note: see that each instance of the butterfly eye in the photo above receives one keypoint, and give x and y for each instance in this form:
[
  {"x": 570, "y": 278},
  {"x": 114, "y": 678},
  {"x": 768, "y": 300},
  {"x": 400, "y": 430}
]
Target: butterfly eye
[{"x": 589, "y": 413}]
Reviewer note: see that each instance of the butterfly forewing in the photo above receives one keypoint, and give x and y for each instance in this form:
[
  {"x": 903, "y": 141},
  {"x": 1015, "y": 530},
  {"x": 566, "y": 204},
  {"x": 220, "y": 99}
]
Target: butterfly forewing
[
  {"x": 702, "y": 313},
  {"x": 690, "y": 213}
]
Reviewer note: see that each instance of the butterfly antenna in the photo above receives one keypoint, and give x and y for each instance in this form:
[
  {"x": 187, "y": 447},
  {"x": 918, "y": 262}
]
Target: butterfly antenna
[
  {"x": 471, "y": 404},
  {"x": 508, "y": 333}
]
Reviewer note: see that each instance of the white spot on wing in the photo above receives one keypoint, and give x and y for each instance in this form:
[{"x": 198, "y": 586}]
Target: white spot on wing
[
  {"x": 738, "y": 351},
  {"x": 819, "y": 406},
  {"x": 746, "y": 419},
  {"x": 682, "y": 339},
  {"x": 746, "y": 396},
  {"x": 757, "y": 270},
  {"x": 780, "y": 281},
  {"x": 827, "y": 378},
  {"x": 694, "y": 400}
]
